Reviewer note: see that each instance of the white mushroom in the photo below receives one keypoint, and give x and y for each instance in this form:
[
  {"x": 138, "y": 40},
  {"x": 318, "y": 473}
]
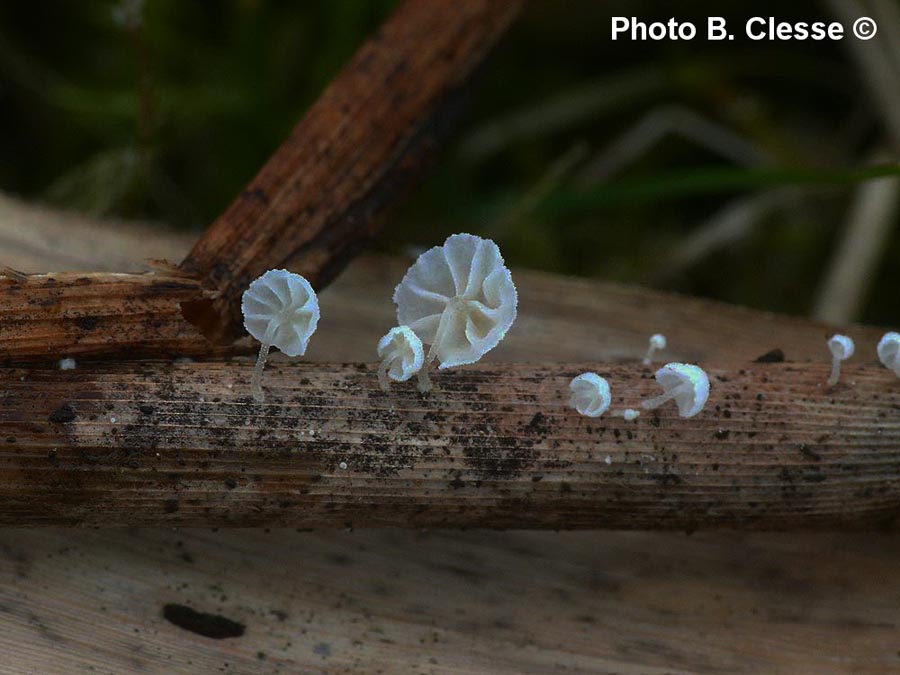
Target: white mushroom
[
  {"x": 657, "y": 342},
  {"x": 629, "y": 414},
  {"x": 402, "y": 356},
  {"x": 841, "y": 348},
  {"x": 590, "y": 394},
  {"x": 67, "y": 364},
  {"x": 280, "y": 310},
  {"x": 683, "y": 383},
  {"x": 889, "y": 352},
  {"x": 459, "y": 299}
]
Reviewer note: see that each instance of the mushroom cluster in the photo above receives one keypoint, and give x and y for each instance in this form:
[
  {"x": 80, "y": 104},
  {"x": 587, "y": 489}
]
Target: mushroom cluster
[
  {"x": 685, "y": 384},
  {"x": 460, "y": 300}
]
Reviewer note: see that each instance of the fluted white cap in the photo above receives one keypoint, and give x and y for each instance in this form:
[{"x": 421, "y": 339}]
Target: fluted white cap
[
  {"x": 590, "y": 394},
  {"x": 402, "y": 349},
  {"x": 889, "y": 351},
  {"x": 464, "y": 284},
  {"x": 281, "y": 310},
  {"x": 841, "y": 347},
  {"x": 688, "y": 384}
]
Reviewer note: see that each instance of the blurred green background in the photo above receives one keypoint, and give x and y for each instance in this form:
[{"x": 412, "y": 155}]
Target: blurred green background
[{"x": 732, "y": 171}]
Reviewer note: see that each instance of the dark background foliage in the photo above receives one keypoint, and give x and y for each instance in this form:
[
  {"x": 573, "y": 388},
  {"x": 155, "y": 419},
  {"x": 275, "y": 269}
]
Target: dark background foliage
[{"x": 726, "y": 170}]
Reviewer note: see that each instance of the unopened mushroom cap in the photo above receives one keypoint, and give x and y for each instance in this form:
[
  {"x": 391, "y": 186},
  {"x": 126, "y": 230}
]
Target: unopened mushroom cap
[
  {"x": 466, "y": 282},
  {"x": 281, "y": 310},
  {"x": 404, "y": 350},
  {"x": 888, "y": 348},
  {"x": 841, "y": 347},
  {"x": 658, "y": 341},
  {"x": 689, "y": 384},
  {"x": 590, "y": 394}
]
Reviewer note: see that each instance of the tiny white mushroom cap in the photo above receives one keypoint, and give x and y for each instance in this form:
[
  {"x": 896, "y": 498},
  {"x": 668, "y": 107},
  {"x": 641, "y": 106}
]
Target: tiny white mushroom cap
[
  {"x": 590, "y": 394},
  {"x": 889, "y": 351},
  {"x": 657, "y": 342},
  {"x": 686, "y": 384},
  {"x": 459, "y": 298},
  {"x": 402, "y": 354},
  {"x": 841, "y": 347},
  {"x": 67, "y": 364},
  {"x": 630, "y": 414},
  {"x": 281, "y": 310}
]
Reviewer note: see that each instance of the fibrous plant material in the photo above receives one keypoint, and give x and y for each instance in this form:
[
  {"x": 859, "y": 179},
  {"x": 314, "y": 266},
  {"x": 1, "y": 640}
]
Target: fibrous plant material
[
  {"x": 319, "y": 198},
  {"x": 280, "y": 310},
  {"x": 402, "y": 356},
  {"x": 459, "y": 299},
  {"x": 88, "y": 315},
  {"x": 366, "y": 139},
  {"x": 841, "y": 348},
  {"x": 496, "y": 447},
  {"x": 589, "y": 394}
]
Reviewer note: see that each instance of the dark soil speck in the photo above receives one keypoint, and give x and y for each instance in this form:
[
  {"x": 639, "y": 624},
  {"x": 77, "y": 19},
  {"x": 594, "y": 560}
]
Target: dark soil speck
[
  {"x": 774, "y": 356},
  {"x": 208, "y": 625},
  {"x": 64, "y": 414}
]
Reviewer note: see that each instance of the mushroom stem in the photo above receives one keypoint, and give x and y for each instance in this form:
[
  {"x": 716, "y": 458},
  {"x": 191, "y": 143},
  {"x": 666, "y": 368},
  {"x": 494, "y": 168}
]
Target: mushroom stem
[
  {"x": 424, "y": 380},
  {"x": 256, "y": 389},
  {"x": 655, "y": 402},
  {"x": 835, "y": 372},
  {"x": 438, "y": 337},
  {"x": 382, "y": 376},
  {"x": 841, "y": 348},
  {"x": 657, "y": 343}
]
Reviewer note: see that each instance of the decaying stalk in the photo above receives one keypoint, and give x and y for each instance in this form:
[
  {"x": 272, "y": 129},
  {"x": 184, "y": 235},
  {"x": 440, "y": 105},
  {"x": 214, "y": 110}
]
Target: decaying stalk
[
  {"x": 44, "y": 317},
  {"x": 319, "y": 198},
  {"x": 152, "y": 443},
  {"x": 494, "y": 446},
  {"x": 316, "y": 202}
]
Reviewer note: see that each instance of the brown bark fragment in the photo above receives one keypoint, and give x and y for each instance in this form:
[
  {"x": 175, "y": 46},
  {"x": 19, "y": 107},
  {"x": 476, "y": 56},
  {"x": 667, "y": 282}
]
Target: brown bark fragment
[{"x": 493, "y": 446}]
